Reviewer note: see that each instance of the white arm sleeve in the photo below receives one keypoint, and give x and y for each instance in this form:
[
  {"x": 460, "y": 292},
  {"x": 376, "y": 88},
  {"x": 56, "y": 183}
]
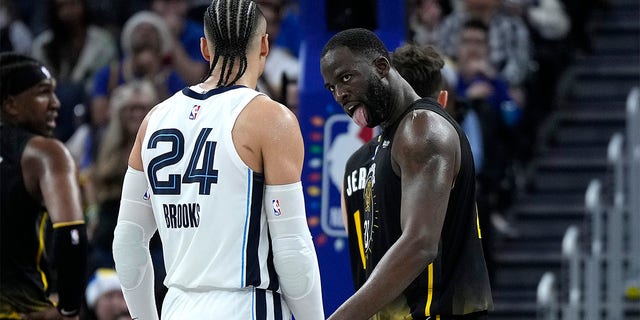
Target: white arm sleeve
[
  {"x": 294, "y": 255},
  {"x": 131, "y": 254}
]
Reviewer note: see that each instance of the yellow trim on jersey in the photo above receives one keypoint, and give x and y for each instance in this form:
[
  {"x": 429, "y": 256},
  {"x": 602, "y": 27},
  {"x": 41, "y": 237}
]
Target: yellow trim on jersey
[
  {"x": 67, "y": 223},
  {"x": 11, "y": 315},
  {"x": 478, "y": 223},
  {"x": 41, "y": 250},
  {"x": 427, "y": 308},
  {"x": 356, "y": 219}
]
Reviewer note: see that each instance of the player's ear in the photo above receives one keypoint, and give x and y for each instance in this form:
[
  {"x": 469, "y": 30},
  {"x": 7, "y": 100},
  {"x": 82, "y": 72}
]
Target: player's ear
[
  {"x": 10, "y": 107},
  {"x": 264, "y": 45},
  {"x": 443, "y": 97},
  {"x": 382, "y": 65},
  {"x": 204, "y": 49}
]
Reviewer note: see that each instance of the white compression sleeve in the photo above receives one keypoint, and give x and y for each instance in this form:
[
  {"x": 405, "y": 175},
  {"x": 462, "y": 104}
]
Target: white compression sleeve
[
  {"x": 294, "y": 255},
  {"x": 131, "y": 253}
]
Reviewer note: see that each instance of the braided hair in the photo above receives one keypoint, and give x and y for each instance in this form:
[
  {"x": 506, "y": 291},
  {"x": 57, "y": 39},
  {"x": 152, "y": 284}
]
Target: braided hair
[{"x": 230, "y": 24}]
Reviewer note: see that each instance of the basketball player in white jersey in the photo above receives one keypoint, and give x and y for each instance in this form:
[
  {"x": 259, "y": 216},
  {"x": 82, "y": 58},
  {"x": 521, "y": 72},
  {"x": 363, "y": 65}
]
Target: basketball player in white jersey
[{"x": 216, "y": 170}]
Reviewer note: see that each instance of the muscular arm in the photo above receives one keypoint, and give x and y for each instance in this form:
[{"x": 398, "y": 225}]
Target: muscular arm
[
  {"x": 50, "y": 174},
  {"x": 426, "y": 156}
]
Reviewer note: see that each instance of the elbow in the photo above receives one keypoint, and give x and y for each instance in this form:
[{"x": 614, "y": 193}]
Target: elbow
[
  {"x": 296, "y": 265},
  {"x": 424, "y": 248}
]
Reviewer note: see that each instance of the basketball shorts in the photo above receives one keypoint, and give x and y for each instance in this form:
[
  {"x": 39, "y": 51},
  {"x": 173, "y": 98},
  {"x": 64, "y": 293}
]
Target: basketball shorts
[{"x": 250, "y": 303}]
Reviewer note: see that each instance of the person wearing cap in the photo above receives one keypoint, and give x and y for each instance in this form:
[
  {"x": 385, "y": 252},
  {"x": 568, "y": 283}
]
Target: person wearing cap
[
  {"x": 104, "y": 296},
  {"x": 39, "y": 186}
]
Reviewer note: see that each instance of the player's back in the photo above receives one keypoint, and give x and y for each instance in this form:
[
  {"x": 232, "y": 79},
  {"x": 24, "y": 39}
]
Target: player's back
[{"x": 207, "y": 202}]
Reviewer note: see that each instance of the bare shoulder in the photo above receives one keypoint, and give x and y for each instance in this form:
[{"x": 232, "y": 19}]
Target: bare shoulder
[
  {"x": 423, "y": 133},
  {"x": 268, "y": 139},
  {"x": 271, "y": 113},
  {"x": 269, "y": 119},
  {"x": 46, "y": 151}
]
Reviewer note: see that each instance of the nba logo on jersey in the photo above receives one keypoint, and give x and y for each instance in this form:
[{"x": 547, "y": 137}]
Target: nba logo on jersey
[
  {"x": 145, "y": 196},
  {"x": 194, "y": 112},
  {"x": 276, "y": 207}
]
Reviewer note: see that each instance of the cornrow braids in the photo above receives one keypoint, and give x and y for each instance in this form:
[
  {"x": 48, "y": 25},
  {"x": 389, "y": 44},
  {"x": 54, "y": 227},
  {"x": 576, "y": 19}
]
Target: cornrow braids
[{"x": 229, "y": 24}]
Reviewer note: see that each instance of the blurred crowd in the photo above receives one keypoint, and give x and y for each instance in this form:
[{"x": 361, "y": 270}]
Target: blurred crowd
[{"x": 114, "y": 60}]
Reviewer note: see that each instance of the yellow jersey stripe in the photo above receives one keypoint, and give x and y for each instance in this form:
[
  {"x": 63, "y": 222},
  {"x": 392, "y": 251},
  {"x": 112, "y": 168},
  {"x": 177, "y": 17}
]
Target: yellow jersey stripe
[
  {"x": 427, "y": 308},
  {"x": 41, "y": 250},
  {"x": 356, "y": 219},
  {"x": 478, "y": 223},
  {"x": 67, "y": 223}
]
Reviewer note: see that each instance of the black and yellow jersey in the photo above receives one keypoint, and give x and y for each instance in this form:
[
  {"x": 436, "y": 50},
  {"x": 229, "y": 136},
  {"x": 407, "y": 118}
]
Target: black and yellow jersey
[
  {"x": 456, "y": 282},
  {"x": 23, "y": 281}
]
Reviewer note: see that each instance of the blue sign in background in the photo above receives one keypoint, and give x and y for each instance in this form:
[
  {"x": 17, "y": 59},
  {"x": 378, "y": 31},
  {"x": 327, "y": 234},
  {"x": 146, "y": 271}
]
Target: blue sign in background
[{"x": 322, "y": 121}]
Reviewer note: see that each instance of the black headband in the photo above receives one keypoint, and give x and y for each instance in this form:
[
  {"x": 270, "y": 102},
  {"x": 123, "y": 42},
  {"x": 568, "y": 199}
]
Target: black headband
[{"x": 21, "y": 78}]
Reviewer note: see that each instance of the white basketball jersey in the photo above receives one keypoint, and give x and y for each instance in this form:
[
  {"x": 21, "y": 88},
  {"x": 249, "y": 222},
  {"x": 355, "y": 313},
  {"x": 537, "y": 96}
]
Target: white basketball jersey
[{"x": 207, "y": 202}]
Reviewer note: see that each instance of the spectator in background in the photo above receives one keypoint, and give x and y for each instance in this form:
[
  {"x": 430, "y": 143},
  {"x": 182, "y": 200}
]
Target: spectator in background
[
  {"x": 509, "y": 41},
  {"x": 146, "y": 42},
  {"x": 185, "y": 56},
  {"x": 280, "y": 77},
  {"x": 477, "y": 78},
  {"x": 104, "y": 297},
  {"x": 129, "y": 105},
  {"x": 549, "y": 26},
  {"x": 75, "y": 49},
  {"x": 488, "y": 94},
  {"x": 424, "y": 22},
  {"x": 15, "y": 35}
]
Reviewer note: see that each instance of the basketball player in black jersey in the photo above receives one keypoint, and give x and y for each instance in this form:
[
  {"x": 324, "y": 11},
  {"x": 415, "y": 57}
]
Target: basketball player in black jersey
[
  {"x": 410, "y": 194},
  {"x": 38, "y": 175}
]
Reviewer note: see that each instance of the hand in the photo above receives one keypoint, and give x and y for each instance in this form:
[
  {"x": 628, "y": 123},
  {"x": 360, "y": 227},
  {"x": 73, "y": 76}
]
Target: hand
[{"x": 48, "y": 314}]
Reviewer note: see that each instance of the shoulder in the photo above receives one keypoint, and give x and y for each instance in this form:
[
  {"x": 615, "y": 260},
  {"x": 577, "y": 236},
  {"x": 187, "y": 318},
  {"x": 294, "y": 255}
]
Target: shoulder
[
  {"x": 47, "y": 152},
  {"x": 423, "y": 133},
  {"x": 269, "y": 114}
]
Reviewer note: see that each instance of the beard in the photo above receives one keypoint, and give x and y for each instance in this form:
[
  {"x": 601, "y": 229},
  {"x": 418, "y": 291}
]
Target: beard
[{"x": 378, "y": 102}]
